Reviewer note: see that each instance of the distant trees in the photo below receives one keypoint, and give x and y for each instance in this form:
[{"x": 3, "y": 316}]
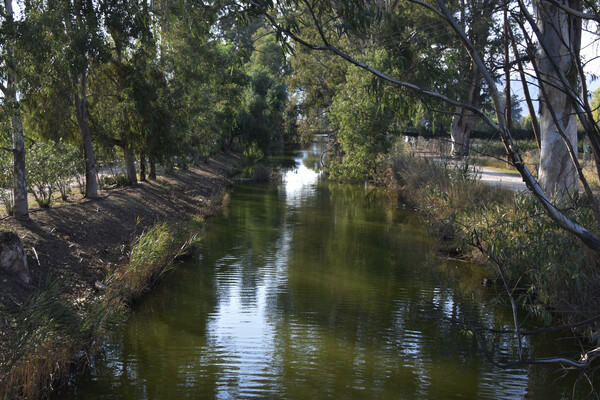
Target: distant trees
[
  {"x": 475, "y": 17},
  {"x": 160, "y": 80}
]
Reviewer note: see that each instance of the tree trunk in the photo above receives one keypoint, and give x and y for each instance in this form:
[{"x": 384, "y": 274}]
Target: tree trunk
[
  {"x": 464, "y": 120},
  {"x": 152, "y": 175},
  {"x": 20, "y": 206},
  {"x": 557, "y": 173},
  {"x": 91, "y": 185},
  {"x": 142, "y": 166},
  {"x": 129, "y": 158}
]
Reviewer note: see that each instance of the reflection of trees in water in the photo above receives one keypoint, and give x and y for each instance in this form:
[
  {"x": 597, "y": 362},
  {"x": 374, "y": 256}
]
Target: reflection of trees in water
[{"x": 351, "y": 308}]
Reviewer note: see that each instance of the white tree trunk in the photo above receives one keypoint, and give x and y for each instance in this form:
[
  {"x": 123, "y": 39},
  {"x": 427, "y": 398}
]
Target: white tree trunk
[
  {"x": 20, "y": 206},
  {"x": 129, "y": 158},
  {"x": 557, "y": 174},
  {"x": 464, "y": 120}
]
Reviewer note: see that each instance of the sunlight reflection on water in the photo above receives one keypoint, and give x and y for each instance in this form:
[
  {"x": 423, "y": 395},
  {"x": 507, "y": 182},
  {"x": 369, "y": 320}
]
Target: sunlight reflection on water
[{"x": 299, "y": 183}]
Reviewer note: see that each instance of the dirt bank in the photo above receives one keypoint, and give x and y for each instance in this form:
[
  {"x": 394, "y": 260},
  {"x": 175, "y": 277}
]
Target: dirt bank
[{"x": 80, "y": 243}]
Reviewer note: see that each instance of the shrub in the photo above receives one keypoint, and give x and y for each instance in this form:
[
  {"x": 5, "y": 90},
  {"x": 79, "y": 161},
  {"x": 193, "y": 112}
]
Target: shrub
[
  {"x": 67, "y": 164},
  {"x": 41, "y": 172},
  {"x": 6, "y": 181},
  {"x": 552, "y": 272},
  {"x": 113, "y": 181},
  {"x": 152, "y": 254}
]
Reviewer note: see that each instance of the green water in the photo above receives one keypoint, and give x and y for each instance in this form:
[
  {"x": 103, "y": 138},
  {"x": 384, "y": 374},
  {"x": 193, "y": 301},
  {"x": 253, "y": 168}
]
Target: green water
[{"x": 308, "y": 290}]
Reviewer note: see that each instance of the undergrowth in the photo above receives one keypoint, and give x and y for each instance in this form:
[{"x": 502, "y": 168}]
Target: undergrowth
[
  {"x": 57, "y": 334},
  {"x": 554, "y": 275}
]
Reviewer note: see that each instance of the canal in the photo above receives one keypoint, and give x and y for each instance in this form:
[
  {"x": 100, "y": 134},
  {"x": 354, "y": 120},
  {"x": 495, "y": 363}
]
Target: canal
[{"x": 309, "y": 290}]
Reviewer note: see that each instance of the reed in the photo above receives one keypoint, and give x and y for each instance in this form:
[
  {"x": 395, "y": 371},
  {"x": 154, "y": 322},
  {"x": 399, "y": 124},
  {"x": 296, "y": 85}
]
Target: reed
[
  {"x": 554, "y": 275},
  {"x": 56, "y": 334}
]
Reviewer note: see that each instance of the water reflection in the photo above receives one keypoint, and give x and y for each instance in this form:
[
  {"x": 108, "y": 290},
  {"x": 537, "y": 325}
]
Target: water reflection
[{"x": 304, "y": 291}]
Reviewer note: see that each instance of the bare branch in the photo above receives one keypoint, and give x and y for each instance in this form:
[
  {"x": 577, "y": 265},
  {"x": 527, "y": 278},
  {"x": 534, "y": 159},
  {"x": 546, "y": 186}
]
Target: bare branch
[{"x": 572, "y": 11}]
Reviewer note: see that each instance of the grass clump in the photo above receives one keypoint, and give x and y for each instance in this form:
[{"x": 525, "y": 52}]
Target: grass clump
[
  {"x": 152, "y": 254},
  {"x": 54, "y": 333}
]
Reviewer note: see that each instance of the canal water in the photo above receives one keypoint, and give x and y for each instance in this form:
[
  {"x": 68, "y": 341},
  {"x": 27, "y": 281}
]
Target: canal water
[{"x": 311, "y": 290}]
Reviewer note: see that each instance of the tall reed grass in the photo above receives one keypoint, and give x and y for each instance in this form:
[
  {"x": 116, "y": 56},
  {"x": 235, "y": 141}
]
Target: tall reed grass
[
  {"x": 554, "y": 275},
  {"x": 57, "y": 334}
]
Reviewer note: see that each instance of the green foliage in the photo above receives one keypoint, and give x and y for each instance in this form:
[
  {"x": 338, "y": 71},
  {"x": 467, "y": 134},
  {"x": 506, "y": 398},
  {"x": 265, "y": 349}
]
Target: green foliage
[
  {"x": 41, "y": 174},
  {"x": 113, "y": 181},
  {"x": 6, "y": 180},
  {"x": 152, "y": 254},
  {"x": 364, "y": 127},
  {"x": 67, "y": 165},
  {"x": 50, "y": 167},
  {"x": 549, "y": 268},
  {"x": 547, "y": 265},
  {"x": 261, "y": 119}
]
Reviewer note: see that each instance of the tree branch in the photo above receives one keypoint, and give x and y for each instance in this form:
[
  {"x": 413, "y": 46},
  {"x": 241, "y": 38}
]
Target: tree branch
[
  {"x": 557, "y": 216},
  {"x": 572, "y": 11},
  {"x": 336, "y": 51}
]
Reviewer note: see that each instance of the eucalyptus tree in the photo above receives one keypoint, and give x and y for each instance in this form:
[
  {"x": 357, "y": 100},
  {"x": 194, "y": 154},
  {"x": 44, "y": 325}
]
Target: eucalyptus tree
[
  {"x": 132, "y": 45},
  {"x": 261, "y": 120},
  {"x": 476, "y": 18},
  {"x": 559, "y": 42},
  {"x": 72, "y": 42},
  {"x": 12, "y": 105},
  {"x": 316, "y": 78}
]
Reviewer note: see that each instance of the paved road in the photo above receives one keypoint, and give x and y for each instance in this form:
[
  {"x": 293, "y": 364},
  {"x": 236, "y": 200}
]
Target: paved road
[{"x": 501, "y": 178}]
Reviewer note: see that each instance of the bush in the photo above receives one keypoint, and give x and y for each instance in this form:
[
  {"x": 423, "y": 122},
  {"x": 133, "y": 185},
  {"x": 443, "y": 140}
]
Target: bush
[
  {"x": 41, "y": 172},
  {"x": 6, "y": 181},
  {"x": 68, "y": 164},
  {"x": 554, "y": 275},
  {"x": 152, "y": 254},
  {"x": 113, "y": 181}
]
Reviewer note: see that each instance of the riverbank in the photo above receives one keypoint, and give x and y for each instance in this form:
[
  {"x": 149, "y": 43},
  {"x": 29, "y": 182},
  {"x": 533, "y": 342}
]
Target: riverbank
[
  {"x": 551, "y": 273},
  {"x": 82, "y": 275}
]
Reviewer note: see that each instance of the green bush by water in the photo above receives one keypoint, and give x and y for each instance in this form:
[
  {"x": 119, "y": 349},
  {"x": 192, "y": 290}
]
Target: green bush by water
[{"x": 554, "y": 275}]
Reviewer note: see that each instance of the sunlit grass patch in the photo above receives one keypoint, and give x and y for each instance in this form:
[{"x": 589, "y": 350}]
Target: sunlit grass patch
[{"x": 152, "y": 254}]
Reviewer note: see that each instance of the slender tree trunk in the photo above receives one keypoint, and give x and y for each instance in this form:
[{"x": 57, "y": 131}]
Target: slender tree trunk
[
  {"x": 129, "y": 158},
  {"x": 480, "y": 12},
  {"x": 20, "y": 205},
  {"x": 152, "y": 174},
  {"x": 464, "y": 120},
  {"x": 142, "y": 166},
  {"x": 557, "y": 174},
  {"x": 169, "y": 167},
  {"x": 91, "y": 185}
]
